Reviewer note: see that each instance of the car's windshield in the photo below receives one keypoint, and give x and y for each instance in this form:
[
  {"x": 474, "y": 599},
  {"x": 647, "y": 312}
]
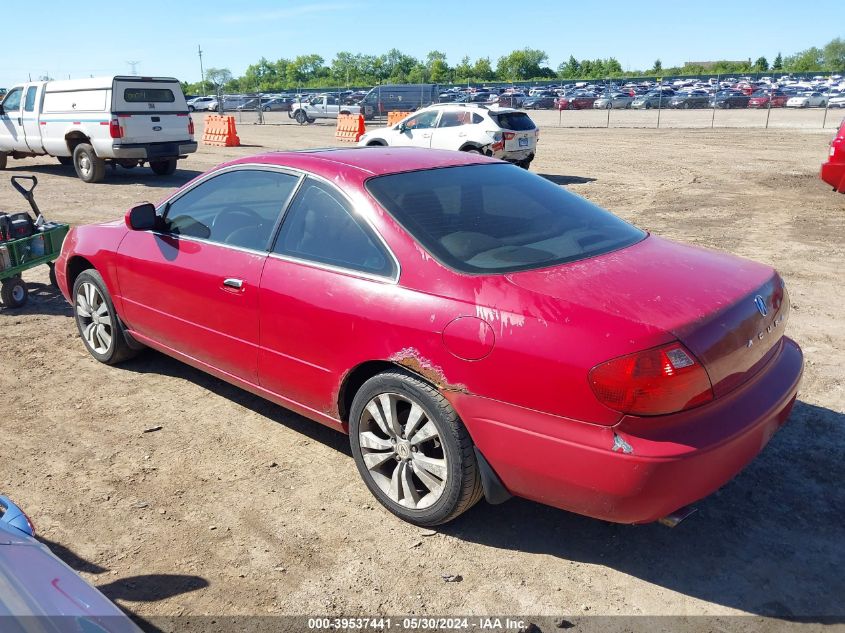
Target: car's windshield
[{"x": 498, "y": 218}]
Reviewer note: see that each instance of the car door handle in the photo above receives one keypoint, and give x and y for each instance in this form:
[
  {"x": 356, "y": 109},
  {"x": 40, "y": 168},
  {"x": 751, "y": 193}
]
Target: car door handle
[
  {"x": 231, "y": 282},
  {"x": 426, "y": 135}
]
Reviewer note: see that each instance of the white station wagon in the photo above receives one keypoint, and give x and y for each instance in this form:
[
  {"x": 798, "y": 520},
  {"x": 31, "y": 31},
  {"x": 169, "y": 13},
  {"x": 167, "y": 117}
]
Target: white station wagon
[{"x": 502, "y": 133}]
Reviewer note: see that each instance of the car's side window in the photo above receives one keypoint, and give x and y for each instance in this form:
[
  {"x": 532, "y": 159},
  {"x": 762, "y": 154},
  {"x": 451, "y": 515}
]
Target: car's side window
[
  {"x": 237, "y": 208},
  {"x": 321, "y": 226},
  {"x": 454, "y": 118},
  {"x": 422, "y": 121},
  {"x": 12, "y": 102}
]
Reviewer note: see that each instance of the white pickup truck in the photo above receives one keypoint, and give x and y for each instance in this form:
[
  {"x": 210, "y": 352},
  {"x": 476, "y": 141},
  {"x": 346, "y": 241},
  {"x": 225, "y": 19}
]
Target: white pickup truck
[
  {"x": 320, "y": 107},
  {"x": 127, "y": 121}
]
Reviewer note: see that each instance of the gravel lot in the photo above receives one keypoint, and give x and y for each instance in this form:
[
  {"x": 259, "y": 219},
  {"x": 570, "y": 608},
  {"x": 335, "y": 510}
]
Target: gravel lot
[{"x": 238, "y": 507}]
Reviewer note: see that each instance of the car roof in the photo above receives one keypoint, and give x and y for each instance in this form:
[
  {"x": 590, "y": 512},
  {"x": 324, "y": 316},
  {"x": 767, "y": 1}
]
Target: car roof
[{"x": 362, "y": 163}]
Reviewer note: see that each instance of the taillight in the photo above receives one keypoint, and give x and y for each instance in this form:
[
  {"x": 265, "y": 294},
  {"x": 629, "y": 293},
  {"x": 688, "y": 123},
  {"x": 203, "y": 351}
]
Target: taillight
[
  {"x": 656, "y": 381},
  {"x": 508, "y": 136},
  {"x": 115, "y": 129},
  {"x": 190, "y": 126}
]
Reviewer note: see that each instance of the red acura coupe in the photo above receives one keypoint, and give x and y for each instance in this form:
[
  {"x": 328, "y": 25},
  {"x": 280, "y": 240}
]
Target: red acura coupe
[{"x": 474, "y": 328}]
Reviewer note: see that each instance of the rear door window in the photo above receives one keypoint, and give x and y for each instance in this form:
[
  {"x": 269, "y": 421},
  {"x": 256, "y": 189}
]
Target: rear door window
[
  {"x": 320, "y": 226},
  {"x": 148, "y": 95},
  {"x": 518, "y": 121}
]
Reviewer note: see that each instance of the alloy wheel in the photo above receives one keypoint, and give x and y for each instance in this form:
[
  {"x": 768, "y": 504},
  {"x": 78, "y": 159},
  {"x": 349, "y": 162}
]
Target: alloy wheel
[
  {"x": 402, "y": 450},
  {"x": 94, "y": 318}
]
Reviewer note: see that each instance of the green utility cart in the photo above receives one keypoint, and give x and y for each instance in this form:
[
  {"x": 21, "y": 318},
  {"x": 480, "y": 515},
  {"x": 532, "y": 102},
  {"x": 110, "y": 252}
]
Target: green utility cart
[{"x": 26, "y": 243}]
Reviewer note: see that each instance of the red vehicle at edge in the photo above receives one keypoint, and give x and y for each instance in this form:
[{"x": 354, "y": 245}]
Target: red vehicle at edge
[
  {"x": 760, "y": 99},
  {"x": 833, "y": 171},
  {"x": 576, "y": 102},
  {"x": 476, "y": 329}
]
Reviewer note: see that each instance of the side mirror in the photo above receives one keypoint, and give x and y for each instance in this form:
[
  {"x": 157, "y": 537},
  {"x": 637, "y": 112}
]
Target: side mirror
[
  {"x": 402, "y": 128},
  {"x": 141, "y": 217}
]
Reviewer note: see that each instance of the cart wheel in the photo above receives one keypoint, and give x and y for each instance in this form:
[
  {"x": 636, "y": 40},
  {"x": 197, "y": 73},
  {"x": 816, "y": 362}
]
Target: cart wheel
[
  {"x": 14, "y": 292},
  {"x": 53, "y": 281}
]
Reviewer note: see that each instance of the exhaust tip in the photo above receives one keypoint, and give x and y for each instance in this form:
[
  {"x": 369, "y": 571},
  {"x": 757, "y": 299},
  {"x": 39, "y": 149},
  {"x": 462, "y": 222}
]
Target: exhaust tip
[{"x": 673, "y": 519}]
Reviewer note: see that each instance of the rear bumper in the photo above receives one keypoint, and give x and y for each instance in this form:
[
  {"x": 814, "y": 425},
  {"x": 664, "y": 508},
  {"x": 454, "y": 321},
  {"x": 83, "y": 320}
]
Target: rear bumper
[
  {"x": 154, "y": 151},
  {"x": 673, "y": 460},
  {"x": 834, "y": 175}
]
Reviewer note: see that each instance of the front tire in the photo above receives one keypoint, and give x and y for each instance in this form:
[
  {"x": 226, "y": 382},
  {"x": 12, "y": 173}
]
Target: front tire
[
  {"x": 300, "y": 117},
  {"x": 97, "y": 321},
  {"x": 89, "y": 167},
  {"x": 412, "y": 451},
  {"x": 163, "y": 167},
  {"x": 14, "y": 292}
]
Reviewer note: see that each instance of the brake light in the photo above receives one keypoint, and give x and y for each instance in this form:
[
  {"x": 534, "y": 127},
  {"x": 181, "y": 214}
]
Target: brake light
[
  {"x": 656, "y": 381},
  {"x": 115, "y": 129},
  {"x": 190, "y": 126},
  {"x": 508, "y": 136}
]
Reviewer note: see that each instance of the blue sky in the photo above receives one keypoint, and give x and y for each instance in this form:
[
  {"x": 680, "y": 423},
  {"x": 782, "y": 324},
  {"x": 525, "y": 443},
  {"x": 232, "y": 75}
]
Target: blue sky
[{"x": 163, "y": 36}]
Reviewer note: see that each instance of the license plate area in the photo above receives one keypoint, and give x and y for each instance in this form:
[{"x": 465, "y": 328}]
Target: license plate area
[{"x": 524, "y": 142}]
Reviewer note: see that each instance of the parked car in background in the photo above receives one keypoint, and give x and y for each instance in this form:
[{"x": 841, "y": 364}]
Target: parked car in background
[
  {"x": 511, "y": 99},
  {"x": 203, "y": 103},
  {"x": 540, "y": 101},
  {"x": 730, "y": 99},
  {"x": 654, "y": 99},
  {"x": 501, "y": 133},
  {"x": 618, "y": 100},
  {"x": 278, "y": 104},
  {"x": 690, "y": 99},
  {"x": 41, "y": 593},
  {"x": 807, "y": 100},
  {"x": 576, "y": 101},
  {"x": 435, "y": 305},
  {"x": 760, "y": 99},
  {"x": 837, "y": 101},
  {"x": 833, "y": 171}
]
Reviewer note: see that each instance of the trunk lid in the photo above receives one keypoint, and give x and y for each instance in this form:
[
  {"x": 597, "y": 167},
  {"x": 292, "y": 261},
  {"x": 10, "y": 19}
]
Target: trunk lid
[{"x": 728, "y": 311}]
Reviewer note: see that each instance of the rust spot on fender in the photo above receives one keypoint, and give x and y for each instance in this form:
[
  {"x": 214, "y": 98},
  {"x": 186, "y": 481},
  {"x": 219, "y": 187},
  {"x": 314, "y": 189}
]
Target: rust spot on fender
[{"x": 411, "y": 358}]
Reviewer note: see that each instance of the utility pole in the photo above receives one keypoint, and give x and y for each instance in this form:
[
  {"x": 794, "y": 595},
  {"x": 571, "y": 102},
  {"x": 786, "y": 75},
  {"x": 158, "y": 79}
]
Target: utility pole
[
  {"x": 202, "y": 72},
  {"x": 134, "y": 67}
]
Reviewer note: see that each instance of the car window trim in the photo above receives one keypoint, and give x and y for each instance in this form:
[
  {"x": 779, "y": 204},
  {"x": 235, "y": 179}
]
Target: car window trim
[
  {"x": 393, "y": 277},
  {"x": 164, "y": 207}
]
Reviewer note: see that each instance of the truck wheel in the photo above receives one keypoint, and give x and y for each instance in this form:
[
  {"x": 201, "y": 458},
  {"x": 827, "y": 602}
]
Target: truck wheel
[
  {"x": 65, "y": 160},
  {"x": 88, "y": 166},
  {"x": 310, "y": 120},
  {"x": 300, "y": 117},
  {"x": 3, "y": 160},
  {"x": 14, "y": 292},
  {"x": 163, "y": 167}
]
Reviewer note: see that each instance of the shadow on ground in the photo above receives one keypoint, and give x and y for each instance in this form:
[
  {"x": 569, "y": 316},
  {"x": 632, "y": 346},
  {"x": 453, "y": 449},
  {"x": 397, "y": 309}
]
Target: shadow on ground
[
  {"x": 117, "y": 176},
  {"x": 567, "y": 180},
  {"x": 769, "y": 543},
  {"x": 43, "y": 299},
  {"x": 144, "y": 588}
]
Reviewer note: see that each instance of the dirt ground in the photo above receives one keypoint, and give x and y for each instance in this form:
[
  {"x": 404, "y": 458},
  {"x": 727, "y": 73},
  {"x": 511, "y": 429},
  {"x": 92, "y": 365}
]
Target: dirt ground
[{"x": 238, "y": 507}]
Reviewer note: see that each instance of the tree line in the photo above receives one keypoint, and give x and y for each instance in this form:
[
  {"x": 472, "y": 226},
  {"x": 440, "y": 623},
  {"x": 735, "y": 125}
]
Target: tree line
[{"x": 355, "y": 69}]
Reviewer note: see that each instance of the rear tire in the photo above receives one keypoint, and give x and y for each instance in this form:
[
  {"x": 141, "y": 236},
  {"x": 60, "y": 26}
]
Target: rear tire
[
  {"x": 89, "y": 167},
  {"x": 97, "y": 321},
  {"x": 430, "y": 461},
  {"x": 14, "y": 292},
  {"x": 163, "y": 167}
]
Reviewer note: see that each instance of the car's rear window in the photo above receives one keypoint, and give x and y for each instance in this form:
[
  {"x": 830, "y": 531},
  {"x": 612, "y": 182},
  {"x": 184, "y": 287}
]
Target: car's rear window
[
  {"x": 498, "y": 218},
  {"x": 518, "y": 121},
  {"x": 148, "y": 95}
]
